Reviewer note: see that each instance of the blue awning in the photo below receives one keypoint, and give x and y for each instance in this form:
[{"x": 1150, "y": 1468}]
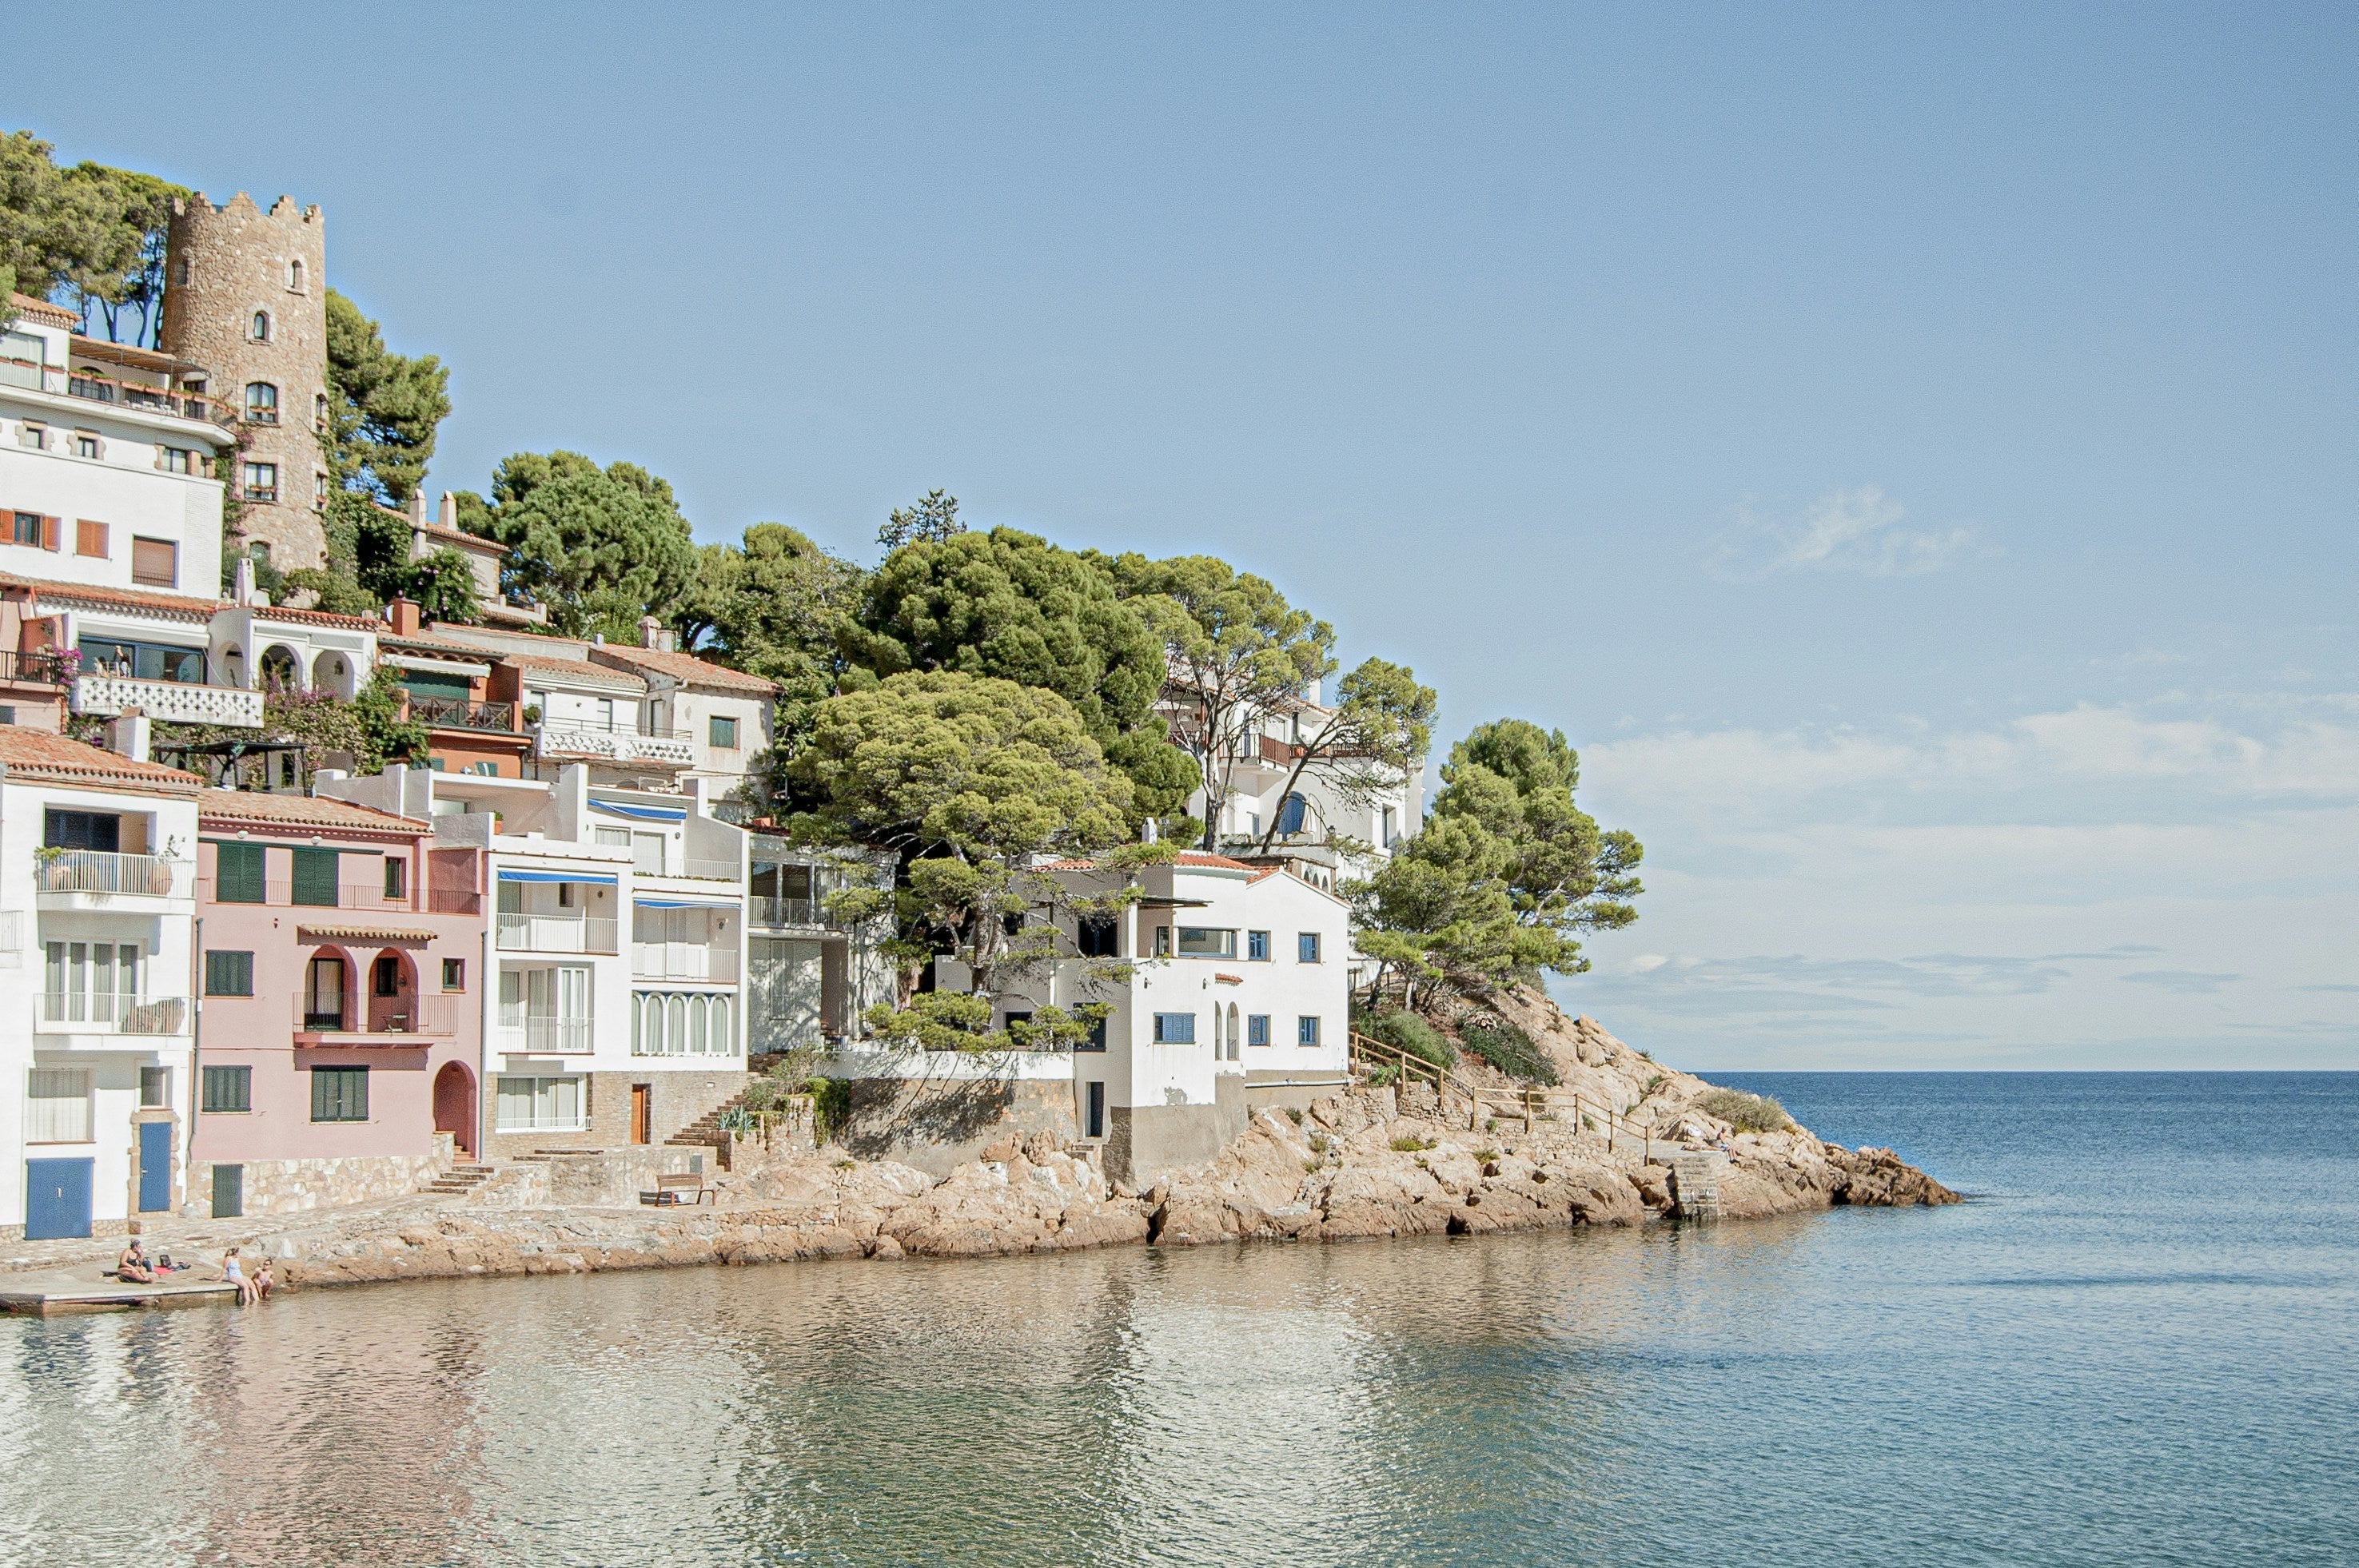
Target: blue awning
[
  {"x": 677, "y": 903},
  {"x": 592, "y": 877},
  {"x": 641, "y": 813}
]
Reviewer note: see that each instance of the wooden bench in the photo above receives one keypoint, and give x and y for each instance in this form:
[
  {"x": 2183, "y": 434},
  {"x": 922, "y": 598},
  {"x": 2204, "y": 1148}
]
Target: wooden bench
[{"x": 685, "y": 1188}]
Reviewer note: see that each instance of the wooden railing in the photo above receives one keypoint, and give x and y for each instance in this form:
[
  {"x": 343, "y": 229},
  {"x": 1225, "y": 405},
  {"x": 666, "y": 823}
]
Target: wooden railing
[{"x": 1530, "y": 1104}]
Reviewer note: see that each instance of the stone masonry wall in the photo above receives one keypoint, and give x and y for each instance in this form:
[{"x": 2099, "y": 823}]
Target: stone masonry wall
[
  {"x": 679, "y": 1099},
  {"x": 221, "y": 266},
  {"x": 289, "y": 1186}
]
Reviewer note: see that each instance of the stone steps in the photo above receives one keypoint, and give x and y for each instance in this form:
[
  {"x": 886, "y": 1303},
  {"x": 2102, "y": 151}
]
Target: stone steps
[{"x": 460, "y": 1179}]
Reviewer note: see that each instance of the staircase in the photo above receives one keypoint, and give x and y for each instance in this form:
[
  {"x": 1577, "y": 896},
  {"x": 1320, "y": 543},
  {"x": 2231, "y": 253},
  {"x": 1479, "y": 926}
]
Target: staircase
[
  {"x": 705, "y": 1133},
  {"x": 459, "y": 1179}
]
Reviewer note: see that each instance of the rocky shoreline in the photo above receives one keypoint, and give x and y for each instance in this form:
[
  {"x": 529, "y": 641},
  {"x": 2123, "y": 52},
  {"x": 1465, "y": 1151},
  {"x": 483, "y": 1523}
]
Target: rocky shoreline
[{"x": 1374, "y": 1161}]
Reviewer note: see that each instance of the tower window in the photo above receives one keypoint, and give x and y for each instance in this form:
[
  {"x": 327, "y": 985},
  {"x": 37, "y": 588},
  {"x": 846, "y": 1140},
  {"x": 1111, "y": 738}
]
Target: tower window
[
  {"x": 319, "y": 492},
  {"x": 259, "y": 328},
  {"x": 295, "y": 278},
  {"x": 187, "y": 272},
  {"x": 262, "y": 402},
  {"x": 320, "y": 411},
  {"x": 262, "y": 482}
]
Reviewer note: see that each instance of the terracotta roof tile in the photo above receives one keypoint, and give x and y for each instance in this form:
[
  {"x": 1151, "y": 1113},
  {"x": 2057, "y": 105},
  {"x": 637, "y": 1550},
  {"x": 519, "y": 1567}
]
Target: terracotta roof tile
[
  {"x": 38, "y": 754},
  {"x": 1216, "y": 862},
  {"x": 318, "y": 618},
  {"x": 121, "y": 598},
  {"x": 685, "y": 668},
  {"x": 578, "y": 669},
  {"x": 303, "y": 811},
  {"x": 41, "y": 311}
]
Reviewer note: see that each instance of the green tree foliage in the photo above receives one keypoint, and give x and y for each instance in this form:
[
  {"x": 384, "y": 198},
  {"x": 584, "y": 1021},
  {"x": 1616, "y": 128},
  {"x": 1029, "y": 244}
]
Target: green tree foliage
[
  {"x": 1505, "y": 871},
  {"x": 1507, "y": 1048},
  {"x": 384, "y": 408},
  {"x": 930, "y": 521},
  {"x": 1014, "y": 606},
  {"x": 1409, "y": 1033},
  {"x": 966, "y": 781},
  {"x": 1381, "y": 726},
  {"x": 1238, "y": 656},
  {"x": 92, "y": 233},
  {"x": 443, "y": 585},
  {"x": 601, "y": 547},
  {"x": 771, "y": 607}
]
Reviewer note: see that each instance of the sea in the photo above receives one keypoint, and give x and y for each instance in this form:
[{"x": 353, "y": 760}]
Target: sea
[{"x": 2137, "y": 1343}]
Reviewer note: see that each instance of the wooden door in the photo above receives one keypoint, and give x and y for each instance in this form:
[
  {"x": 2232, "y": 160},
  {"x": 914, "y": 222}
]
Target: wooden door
[{"x": 642, "y": 1113}]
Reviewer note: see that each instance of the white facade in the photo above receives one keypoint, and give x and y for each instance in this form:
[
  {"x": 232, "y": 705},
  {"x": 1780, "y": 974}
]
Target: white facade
[
  {"x": 108, "y": 460},
  {"x": 617, "y": 939},
  {"x": 96, "y": 1017}
]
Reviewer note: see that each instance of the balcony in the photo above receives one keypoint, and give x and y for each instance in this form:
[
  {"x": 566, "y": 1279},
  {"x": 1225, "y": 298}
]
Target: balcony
[
  {"x": 85, "y": 1012},
  {"x": 669, "y": 749},
  {"x": 90, "y": 386},
  {"x": 453, "y": 713},
  {"x": 784, "y": 909},
  {"x": 46, "y": 667},
  {"x": 76, "y": 878},
  {"x": 683, "y": 961},
  {"x": 392, "y": 1022},
  {"x": 349, "y": 895},
  {"x": 167, "y": 701},
  {"x": 538, "y": 1032},
  {"x": 557, "y": 933}
]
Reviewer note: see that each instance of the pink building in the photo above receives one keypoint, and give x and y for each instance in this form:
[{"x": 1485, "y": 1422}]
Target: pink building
[{"x": 340, "y": 1031}]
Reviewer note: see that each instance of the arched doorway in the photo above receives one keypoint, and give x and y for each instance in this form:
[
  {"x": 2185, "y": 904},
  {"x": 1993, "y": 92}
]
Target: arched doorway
[
  {"x": 454, "y": 1105},
  {"x": 279, "y": 671},
  {"x": 332, "y": 672},
  {"x": 393, "y": 993}
]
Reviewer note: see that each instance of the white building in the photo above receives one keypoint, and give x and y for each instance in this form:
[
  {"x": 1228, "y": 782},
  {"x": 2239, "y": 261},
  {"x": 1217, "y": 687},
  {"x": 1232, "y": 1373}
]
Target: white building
[
  {"x": 97, "y": 909},
  {"x": 1238, "y": 999},
  {"x": 578, "y": 711},
  {"x": 723, "y": 714},
  {"x": 618, "y": 940}
]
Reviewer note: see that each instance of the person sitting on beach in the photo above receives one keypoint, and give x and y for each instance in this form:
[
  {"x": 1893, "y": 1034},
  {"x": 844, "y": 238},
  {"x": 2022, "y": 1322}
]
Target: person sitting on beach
[
  {"x": 262, "y": 1280},
  {"x": 132, "y": 1266},
  {"x": 233, "y": 1273}
]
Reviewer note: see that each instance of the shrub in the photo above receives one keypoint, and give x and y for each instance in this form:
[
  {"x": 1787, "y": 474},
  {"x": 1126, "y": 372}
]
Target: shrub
[
  {"x": 830, "y": 1107},
  {"x": 1744, "y": 1113},
  {"x": 1409, "y": 1033},
  {"x": 1410, "y": 1143},
  {"x": 1507, "y": 1048},
  {"x": 1294, "y": 1113},
  {"x": 1380, "y": 1077}
]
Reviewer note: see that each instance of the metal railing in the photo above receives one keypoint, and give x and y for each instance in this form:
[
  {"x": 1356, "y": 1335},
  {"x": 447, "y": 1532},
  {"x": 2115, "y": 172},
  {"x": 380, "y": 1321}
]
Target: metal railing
[
  {"x": 97, "y": 1012},
  {"x": 49, "y": 666},
  {"x": 95, "y": 388},
  {"x": 94, "y": 871},
  {"x": 789, "y": 909},
  {"x": 546, "y": 1033},
  {"x": 379, "y": 1016},
  {"x": 711, "y": 867},
  {"x": 346, "y": 895},
  {"x": 683, "y": 961},
  {"x": 457, "y": 713},
  {"x": 558, "y": 934}
]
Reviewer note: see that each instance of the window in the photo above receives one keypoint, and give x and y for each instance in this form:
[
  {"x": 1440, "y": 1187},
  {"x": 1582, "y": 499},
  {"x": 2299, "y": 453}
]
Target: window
[
  {"x": 540, "y": 1105},
  {"x": 156, "y": 563},
  {"x": 57, "y": 1106},
  {"x": 229, "y": 1089},
  {"x": 384, "y": 976},
  {"x": 97, "y": 981},
  {"x": 1256, "y": 1029},
  {"x": 142, "y": 660},
  {"x": 262, "y": 482},
  {"x": 34, "y": 436},
  {"x": 25, "y": 528},
  {"x": 1257, "y": 946},
  {"x": 606, "y": 714},
  {"x": 1306, "y": 1030},
  {"x": 237, "y": 873},
  {"x": 647, "y": 854},
  {"x": 722, "y": 733},
  {"x": 454, "y": 974},
  {"x": 677, "y": 1023},
  {"x": 1163, "y": 941},
  {"x": 229, "y": 974},
  {"x": 98, "y": 830},
  {"x": 177, "y": 459},
  {"x": 1384, "y": 832},
  {"x": 1175, "y": 1029},
  {"x": 396, "y": 877},
  {"x": 259, "y": 328},
  {"x": 548, "y": 1007},
  {"x": 154, "y": 1089},
  {"x": 339, "y": 1094},
  {"x": 1095, "y": 1125},
  {"x": 315, "y": 876},
  {"x": 188, "y": 271},
  {"x": 1097, "y": 1038},
  {"x": 320, "y": 412},
  {"x": 614, "y": 837},
  {"x": 1293, "y": 812},
  {"x": 323, "y": 993},
  {"x": 85, "y": 443},
  {"x": 90, "y": 538},
  {"x": 319, "y": 492},
  {"x": 1202, "y": 942},
  {"x": 1098, "y": 936},
  {"x": 295, "y": 276},
  {"x": 1306, "y": 947}
]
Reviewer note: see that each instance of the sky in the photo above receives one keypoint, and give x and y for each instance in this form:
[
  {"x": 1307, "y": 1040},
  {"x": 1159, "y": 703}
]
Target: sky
[{"x": 1909, "y": 451}]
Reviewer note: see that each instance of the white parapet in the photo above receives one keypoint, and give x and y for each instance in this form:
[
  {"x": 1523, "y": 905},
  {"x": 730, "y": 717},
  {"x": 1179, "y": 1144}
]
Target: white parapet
[{"x": 168, "y": 702}]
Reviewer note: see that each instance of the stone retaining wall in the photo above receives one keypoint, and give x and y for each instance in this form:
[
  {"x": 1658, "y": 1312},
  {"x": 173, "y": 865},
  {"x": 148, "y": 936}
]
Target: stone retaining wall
[{"x": 290, "y": 1186}]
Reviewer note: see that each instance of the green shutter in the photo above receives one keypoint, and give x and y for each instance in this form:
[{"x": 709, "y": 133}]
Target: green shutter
[
  {"x": 229, "y": 974},
  {"x": 237, "y": 873},
  {"x": 315, "y": 876},
  {"x": 339, "y": 1094}
]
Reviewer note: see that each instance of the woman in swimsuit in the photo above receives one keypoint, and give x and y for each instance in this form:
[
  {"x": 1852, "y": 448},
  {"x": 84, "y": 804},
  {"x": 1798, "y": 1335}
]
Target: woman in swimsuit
[{"x": 233, "y": 1273}]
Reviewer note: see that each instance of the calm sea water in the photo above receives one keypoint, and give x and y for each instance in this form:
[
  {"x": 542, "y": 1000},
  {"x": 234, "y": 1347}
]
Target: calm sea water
[{"x": 2136, "y": 1345}]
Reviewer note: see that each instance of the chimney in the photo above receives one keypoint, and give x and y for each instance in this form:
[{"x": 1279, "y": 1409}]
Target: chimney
[
  {"x": 402, "y": 615},
  {"x": 417, "y": 507},
  {"x": 1146, "y": 831},
  {"x": 241, "y": 581},
  {"x": 449, "y": 515},
  {"x": 651, "y": 633},
  {"x": 126, "y": 735}
]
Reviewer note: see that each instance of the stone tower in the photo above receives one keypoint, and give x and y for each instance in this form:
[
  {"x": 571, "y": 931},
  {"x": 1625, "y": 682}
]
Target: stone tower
[{"x": 246, "y": 296}]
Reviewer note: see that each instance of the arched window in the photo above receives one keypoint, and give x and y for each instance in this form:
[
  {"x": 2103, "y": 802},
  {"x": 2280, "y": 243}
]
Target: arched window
[
  {"x": 259, "y": 328},
  {"x": 295, "y": 276},
  {"x": 320, "y": 411},
  {"x": 262, "y": 402},
  {"x": 187, "y": 271},
  {"x": 1292, "y": 812}
]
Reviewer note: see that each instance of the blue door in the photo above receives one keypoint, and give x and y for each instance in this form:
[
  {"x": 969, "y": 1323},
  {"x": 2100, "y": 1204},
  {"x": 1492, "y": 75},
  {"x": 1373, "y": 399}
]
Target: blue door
[
  {"x": 155, "y": 1166},
  {"x": 57, "y": 1198}
]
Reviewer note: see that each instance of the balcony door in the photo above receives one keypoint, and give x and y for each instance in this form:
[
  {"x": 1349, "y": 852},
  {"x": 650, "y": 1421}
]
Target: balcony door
[
  {"x": 323, "y": 993},
  {"x": 100, "y": 831},
  {"x": 91, "y": 982},
  {"x": 550, "y": 1007}
]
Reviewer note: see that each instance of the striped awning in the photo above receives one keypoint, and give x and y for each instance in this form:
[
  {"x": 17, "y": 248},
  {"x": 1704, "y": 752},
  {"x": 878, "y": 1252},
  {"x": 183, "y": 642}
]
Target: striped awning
[{"x": 363, "y": 934}]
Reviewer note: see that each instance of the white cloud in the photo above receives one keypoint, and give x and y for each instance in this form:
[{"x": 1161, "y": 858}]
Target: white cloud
[{"x": 1845, "y": 530}]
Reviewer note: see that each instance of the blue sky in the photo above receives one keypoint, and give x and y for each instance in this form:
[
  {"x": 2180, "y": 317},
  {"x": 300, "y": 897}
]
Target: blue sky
[{"x": 1911, "y": 452}]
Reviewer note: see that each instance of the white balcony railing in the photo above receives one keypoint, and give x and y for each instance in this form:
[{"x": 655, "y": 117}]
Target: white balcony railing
[
  {"x": 96, "y": 870},
  {"x": 613, "y": 745},
  {"x": 168, "y": 702},
  {"x": 538, "y": 1032},
  {"x": 683, "y": 961},
  {"x": 95, "y": 1012},
  {"x": 558, "y": 934}
]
